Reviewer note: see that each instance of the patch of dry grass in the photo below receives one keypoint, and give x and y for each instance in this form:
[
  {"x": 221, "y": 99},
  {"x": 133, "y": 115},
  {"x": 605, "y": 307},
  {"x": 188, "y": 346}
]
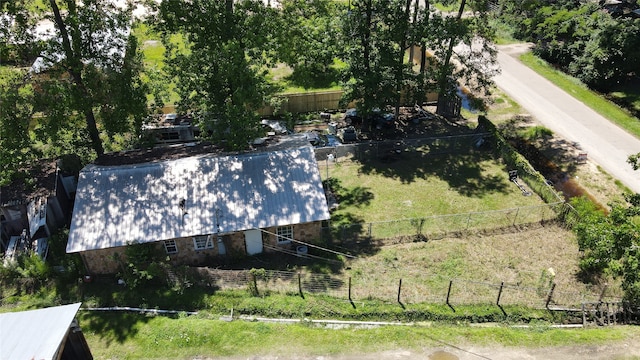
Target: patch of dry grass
[{"x": 527, "y": 262}]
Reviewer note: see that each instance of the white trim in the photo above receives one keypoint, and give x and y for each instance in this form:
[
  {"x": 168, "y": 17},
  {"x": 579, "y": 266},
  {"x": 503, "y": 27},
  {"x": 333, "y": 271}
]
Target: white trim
[
  {"x": 170, "y": 246},
  {"x": 284, "y": 234},
  {"x": 198, "y": 242}
]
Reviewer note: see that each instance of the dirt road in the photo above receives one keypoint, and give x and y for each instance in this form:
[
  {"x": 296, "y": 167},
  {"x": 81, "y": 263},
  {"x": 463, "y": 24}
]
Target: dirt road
[{"x": 605, "y": 143}]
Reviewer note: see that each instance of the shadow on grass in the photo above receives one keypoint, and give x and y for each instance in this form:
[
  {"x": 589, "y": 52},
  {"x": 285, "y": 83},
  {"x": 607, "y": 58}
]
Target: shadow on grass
[
  {"x": 462, "y": 171},
  {"x": 555, "y": 158},
  {"x": 104, "y": 292},
  {"x": 627, "y": 96},
  {"x": 314, "y": 77},
  {"x": 118, "y": 327}
]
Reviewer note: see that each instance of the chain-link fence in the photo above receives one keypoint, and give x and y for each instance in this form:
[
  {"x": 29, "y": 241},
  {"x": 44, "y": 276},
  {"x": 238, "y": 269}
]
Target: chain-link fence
[
  {"x": 438, "y": 226},
  {"x": 430, "y": 289},
  {"x": 389, "y": 149}
]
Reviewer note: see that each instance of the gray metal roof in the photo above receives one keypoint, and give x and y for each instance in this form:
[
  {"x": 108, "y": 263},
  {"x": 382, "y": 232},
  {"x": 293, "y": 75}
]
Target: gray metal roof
[
  {"x": 141, "y": 203},
  {"x": 35, "y": 334}
]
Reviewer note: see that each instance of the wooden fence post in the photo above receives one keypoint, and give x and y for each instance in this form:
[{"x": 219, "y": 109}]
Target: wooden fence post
[
  {"x": 498, "y": 299},
  {"x": 500, "y": 293},
  {"x": 255, "y": 284},
  {"x": 449, "y": 294},
  {"x": 516, "y": 216},
  {"x": 550, "y": 296},
  {"x": 300, "y": 285},
  {"x": 351, "y": 301}
]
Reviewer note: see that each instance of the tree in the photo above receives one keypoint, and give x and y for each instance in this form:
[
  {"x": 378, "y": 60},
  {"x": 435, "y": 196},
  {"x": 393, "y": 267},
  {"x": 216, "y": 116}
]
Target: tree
[
  {"x": 16, "y": 112},
  {"x": 463, "y": 46},
  {"x": 378, "y": 33},
  {"x": 611, "y": 243},
  {"x": 89, "y": 72},
  {"x": 375, "y": 35},
  {"x": 220, "y": 64},
  {"x": 600, "y": 49},
  {"x": 308, "y": 40}
]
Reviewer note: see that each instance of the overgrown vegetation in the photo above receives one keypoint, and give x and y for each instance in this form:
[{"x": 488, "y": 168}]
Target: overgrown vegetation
[
  {"x": 611, "y": 243},
  {"x": 598, "y": 46},
  {"x": 133, "y": 336}
]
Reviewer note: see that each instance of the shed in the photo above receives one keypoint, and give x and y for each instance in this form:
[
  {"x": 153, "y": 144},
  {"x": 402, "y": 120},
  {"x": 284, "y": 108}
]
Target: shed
[{"x": 44, "y": 334}]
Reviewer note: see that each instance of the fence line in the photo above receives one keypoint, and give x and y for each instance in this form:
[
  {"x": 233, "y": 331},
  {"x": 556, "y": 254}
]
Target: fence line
[
  {"x": 384, "y": 149},
  {"x": 432, "y": 289},
  {"x": 438, "y": 226}
]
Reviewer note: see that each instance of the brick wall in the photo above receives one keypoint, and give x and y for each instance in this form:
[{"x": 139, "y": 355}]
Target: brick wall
[{"x": 107, "y": 261}]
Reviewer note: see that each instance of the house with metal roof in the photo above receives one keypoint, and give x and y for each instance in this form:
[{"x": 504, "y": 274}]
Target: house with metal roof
[
  {"x": 48, "y": 334},
  {"x": 198, "y": 208}
]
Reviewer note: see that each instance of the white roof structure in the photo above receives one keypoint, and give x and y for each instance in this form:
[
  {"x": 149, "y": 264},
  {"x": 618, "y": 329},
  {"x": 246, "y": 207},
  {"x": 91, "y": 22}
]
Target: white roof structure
[
  {"x": 197, "y": 195},
  {"x": 35, "y": 334}
]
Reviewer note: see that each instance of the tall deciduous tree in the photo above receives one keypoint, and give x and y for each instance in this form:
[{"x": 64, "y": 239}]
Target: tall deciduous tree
[
  {"x": 220, "y": 64},
  {"x": 86, "y": 81},
  {"x": 463, "y": 46},
  {"x": 308, "y": 40},
  {"x": 611, "y": 243},
  {"x": 375, "y": 33},
  {"x": 16, "y": 111},
  {"x": 379, "y": 32}
]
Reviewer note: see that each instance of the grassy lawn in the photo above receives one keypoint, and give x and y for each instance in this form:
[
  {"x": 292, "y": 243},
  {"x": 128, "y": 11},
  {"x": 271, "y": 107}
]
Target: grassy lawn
[
  {"x": 132, "y": 336},
  {"x": 417, "y": 185},
  {"x": 578, "y": 90}
]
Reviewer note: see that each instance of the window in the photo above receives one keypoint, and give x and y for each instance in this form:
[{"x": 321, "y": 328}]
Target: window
[
  {"x": 203, "y": 242},
  {"x": 170, "y": 247},
  {"x": 285, "y": 234}
]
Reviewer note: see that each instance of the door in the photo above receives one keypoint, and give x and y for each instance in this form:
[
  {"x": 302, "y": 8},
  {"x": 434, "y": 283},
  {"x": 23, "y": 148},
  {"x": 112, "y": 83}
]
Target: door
[
  {"x": 221, "y": 249},
  {"x": 253, "y": 241}
]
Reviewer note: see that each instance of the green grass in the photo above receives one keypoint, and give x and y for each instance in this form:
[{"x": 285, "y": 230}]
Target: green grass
[
  {"x": 419, "y": 185},
  {"x": 579, "y": 91},
  {"x": 133, "y": 336}
]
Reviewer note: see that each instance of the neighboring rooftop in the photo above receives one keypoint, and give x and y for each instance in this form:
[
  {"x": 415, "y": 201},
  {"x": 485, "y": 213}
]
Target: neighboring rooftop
[{"x": 36, "y": 334}]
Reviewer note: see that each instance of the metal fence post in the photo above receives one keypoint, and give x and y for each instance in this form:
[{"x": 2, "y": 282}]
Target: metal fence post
[
  {"x": 399, "y": 289},
  {"x": 515, "y": 217}
]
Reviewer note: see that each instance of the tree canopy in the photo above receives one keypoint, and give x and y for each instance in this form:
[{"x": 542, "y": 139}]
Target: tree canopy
[
  {"x": 599, "y": 47},
  {"x": 86, "y": 78},
  {"x": 378, "y": 34},
  {"x": 221, "y": 71}
]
